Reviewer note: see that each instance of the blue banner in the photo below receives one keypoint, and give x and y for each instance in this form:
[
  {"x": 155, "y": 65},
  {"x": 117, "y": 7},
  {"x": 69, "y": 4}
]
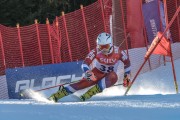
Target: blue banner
[
  {"x": 151, "y": 19},
  {"x": 39, "y": 77}
]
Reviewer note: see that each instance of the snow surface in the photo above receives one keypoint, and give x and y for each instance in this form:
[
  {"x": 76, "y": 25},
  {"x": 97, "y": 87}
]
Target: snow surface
[{"x": 152, "y": 97}]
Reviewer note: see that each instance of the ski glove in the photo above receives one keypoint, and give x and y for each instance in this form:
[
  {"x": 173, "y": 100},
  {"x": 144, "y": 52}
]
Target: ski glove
[
  {"x": 126, "y": 80},
  {"x": 89, "y": 75}
]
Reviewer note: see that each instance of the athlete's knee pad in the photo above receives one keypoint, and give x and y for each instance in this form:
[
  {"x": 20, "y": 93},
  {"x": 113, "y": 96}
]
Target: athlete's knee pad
[{"x": 112, "y": 77}]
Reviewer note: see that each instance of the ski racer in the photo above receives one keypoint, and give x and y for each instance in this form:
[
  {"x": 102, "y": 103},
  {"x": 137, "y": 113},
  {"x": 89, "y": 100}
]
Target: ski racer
[{"x": 103, "y": 74}]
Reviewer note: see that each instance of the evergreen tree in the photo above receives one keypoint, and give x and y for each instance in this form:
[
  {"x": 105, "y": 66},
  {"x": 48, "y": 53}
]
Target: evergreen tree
[{"x": 26, "y": 11}]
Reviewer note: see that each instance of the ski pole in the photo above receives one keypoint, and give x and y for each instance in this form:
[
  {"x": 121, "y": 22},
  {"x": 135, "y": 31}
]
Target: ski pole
[
  {"x": 117, "y": 84},
  {"x": 65, "y": 84},
  {"x": 24, "y": 92},
  {"x": 57, "y": 85}
]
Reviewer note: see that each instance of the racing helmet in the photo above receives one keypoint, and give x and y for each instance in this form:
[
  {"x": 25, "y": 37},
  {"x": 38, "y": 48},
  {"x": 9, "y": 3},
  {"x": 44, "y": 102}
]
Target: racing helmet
[{"x": 104, "y": 43}]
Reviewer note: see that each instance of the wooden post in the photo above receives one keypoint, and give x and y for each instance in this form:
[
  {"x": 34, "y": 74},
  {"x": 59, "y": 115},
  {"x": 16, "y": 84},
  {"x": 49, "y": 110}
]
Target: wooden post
[
  {"x": 67, "y": 37},
  {"x": 2, "y": 49},
  {"x": 102, "y": 12},
  {"x": 85, "y": 27},
  {"x": 178, "y": 19},
  {"x": 121, "y": 6},
  {"x": 59, "y": 40},
  {"x": 20, "y": 44},
  {"x": 39, "y": 42},
  {"x": 50, "y": 42}
]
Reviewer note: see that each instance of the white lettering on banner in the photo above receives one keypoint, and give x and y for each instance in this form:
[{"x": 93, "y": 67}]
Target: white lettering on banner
[
  {"x": 49, "y": 81},
  {"x": 74, "y": 78},
  {"x": 60, "y": 78},
  {"x": 153, "y": 27},
  {"x": 32, "y": 83},
  {"x": 46, "y": 82},
  {"x": 21, "y": 85}
]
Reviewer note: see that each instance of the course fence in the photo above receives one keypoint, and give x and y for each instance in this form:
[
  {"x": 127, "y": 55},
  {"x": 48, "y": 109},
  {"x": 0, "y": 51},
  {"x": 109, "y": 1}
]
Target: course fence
[{"x": 73, "y": 35}]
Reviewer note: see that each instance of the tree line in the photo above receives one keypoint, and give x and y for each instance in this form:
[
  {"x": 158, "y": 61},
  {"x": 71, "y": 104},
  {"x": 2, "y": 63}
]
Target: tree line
[{"x": 25, "y": 12}]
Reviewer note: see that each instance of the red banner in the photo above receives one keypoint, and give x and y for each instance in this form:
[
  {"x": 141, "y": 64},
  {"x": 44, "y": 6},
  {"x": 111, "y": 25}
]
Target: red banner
[{"x": 163, "y": 47}]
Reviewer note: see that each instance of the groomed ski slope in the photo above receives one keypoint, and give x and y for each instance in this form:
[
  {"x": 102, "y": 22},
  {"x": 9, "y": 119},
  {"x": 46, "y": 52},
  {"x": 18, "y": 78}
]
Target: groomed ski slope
[{"x": 152, "y": 97}]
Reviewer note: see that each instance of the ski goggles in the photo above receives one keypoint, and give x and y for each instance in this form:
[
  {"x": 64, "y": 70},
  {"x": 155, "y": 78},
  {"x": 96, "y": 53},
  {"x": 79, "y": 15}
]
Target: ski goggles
[{"x": 104, "y": 47}]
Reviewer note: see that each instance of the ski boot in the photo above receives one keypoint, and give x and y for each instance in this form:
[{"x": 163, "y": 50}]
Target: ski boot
[
  {"x": 59, "y": 94},
  {"x": 93, "y": 91}
]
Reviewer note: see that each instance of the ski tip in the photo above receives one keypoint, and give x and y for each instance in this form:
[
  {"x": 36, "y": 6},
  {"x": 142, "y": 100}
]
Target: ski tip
[{"x": 22, "y": 93}]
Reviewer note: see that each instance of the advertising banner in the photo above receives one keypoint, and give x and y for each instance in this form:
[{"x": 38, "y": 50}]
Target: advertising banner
[
  {"x": 39, "y": 77},
  {"x": 151, "y": 19}
]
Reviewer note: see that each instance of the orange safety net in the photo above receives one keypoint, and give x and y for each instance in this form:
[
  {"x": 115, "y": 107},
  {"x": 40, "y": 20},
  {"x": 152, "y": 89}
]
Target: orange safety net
[{"x": 71, "y": 36}]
